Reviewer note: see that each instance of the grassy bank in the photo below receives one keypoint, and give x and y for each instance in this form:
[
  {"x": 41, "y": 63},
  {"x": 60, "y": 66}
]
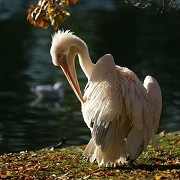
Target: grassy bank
[{"x": 68, "y": 163}]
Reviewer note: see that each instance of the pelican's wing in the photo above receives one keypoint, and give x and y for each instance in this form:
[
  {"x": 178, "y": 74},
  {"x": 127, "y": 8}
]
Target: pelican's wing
[
  {"x": 155, "y": 105},
  {"x": 138, "y": 138},
  {"x": 102, "y": 101},
  {"x": 114, "y": 102}
]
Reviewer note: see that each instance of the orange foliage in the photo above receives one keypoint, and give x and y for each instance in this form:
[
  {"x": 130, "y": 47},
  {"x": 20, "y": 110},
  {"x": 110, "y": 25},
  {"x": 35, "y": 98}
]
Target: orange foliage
[{"x": 49, "y": 12}]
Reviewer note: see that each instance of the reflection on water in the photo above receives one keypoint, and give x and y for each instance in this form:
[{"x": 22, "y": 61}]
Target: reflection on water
[
  {"x": 139, "y": 39},
  {"x": 48, "y": 95}
]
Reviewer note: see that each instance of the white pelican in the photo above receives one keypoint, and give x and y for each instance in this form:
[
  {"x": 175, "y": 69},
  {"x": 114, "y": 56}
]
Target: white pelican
[{"x": 122, "y": 113}]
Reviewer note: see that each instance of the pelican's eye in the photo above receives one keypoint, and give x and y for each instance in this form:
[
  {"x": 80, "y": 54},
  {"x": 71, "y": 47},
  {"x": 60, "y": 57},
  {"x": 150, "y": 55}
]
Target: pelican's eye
[{"x": 59, "y": 56}]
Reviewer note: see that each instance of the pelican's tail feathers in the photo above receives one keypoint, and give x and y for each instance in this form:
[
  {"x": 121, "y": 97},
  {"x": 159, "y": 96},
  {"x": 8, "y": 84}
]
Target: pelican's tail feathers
[
  {"x": 89, "y": 150},
  {"x": 92, "y": 152},
  {"x": 136, "y": 143},
  {"x": 111, "y": 157}
]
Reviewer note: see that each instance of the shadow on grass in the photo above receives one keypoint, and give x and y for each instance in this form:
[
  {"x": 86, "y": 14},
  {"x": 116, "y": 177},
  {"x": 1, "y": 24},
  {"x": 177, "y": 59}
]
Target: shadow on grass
[
  {"x": 157, "y": 167},
  {"x": 148, "y": 167}
]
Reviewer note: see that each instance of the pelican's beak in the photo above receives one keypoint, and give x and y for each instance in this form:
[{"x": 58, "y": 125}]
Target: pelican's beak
[{"x": 70, "y": 73}]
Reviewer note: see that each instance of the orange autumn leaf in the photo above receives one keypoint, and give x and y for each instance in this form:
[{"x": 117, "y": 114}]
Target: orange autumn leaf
[
  {"x": 161, "y": 176},
  {"x": 74, "y": 1},
  {"x": 110, "y": 174},
  {"x": 3, "y": 176},
  {"x": 52, "y": 159}
]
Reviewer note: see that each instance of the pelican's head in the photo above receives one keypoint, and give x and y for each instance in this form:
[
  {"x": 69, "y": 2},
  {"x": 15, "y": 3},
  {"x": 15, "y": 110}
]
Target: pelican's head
[{"x": 63, "y": 51}]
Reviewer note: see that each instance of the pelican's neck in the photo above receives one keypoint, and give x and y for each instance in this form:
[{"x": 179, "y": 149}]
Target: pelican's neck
[{"x": 84, "y": 59}]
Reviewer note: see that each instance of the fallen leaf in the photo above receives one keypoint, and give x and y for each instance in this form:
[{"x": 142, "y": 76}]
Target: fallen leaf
[
  {"x": 3, "y": 176},
  {"x": 110, "y": 174},
  {"x": 52, "y": 159},
  {"x": 161, "y": 176}
]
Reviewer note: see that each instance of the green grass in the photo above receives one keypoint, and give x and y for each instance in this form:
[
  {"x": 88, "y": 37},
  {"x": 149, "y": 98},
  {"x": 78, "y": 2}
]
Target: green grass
[{"x": 68, "y": 163}]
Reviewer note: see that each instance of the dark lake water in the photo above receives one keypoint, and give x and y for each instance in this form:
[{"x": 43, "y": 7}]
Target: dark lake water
[{"x": 140, "y": 39}]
